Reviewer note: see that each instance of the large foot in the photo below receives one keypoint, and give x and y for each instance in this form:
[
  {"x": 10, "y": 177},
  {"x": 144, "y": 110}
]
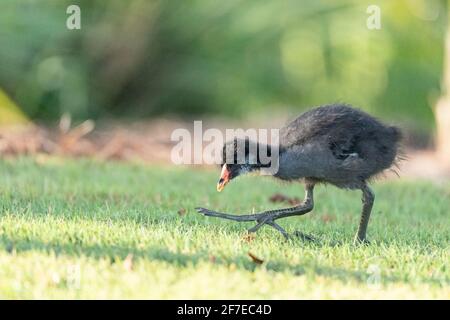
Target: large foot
[
  {"x": 260, "y": 219},
  {"x": 361, "y": 241}
]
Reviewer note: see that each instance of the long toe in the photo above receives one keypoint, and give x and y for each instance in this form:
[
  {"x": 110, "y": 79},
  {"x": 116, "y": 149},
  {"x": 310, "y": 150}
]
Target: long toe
[
  {"x": 204, "y": 211},
  {"x": 200, "y": 209},
  {"x": 304, "y": 237}
]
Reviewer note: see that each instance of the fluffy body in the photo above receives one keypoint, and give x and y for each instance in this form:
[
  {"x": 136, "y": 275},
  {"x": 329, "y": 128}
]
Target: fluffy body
[{"x": 336, "y": 144}]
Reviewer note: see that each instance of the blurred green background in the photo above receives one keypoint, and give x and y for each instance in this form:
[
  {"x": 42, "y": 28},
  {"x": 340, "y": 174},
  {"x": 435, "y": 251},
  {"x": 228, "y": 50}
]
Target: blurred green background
[{"x": 234, "y": 58}]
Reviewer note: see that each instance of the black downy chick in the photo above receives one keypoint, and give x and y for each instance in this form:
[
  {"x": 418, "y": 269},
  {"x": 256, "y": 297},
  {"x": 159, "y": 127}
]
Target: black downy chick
[{"x": 333, "y": 144}]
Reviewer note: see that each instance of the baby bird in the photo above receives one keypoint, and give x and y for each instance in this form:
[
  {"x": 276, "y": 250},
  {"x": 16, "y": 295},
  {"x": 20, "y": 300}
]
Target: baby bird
[{"x": 334, "y": 144}]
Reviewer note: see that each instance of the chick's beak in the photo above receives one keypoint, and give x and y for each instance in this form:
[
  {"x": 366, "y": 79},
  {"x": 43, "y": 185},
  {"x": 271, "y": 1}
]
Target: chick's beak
[{"x": 224, "y": 178}]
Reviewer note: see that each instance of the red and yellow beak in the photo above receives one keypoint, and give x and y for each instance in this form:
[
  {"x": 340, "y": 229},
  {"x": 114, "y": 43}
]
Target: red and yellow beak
[{"x": 224, "y": 178}]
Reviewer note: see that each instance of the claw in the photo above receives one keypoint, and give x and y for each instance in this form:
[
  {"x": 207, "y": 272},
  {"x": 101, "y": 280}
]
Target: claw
[
  {"x": 304, "y": 236},
  {"x": 357, "y": 241},
  {"x": 207, "y": 212},
  {"x": 202, "y": 210}
]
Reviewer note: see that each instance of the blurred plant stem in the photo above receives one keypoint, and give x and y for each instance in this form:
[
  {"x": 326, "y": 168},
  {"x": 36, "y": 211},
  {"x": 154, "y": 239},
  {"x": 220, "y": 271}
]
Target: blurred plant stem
[{"x": 442, "y": 110}]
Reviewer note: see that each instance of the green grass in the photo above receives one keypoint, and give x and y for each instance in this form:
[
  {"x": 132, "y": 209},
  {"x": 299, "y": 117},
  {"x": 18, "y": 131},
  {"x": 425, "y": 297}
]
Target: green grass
[{"x": 67, "y": 227}]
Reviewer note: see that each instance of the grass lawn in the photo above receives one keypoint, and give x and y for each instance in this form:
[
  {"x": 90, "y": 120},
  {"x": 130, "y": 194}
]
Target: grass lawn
[{"x": 82, "y": 229}]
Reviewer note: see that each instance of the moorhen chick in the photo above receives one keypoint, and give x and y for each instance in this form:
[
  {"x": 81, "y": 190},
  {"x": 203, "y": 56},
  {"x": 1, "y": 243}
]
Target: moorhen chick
[{"x": 334, "y": 144}]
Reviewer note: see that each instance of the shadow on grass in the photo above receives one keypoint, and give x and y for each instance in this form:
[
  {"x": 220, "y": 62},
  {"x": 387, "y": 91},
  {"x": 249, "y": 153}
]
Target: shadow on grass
[
  {"x": 139, "y": 209},
  {"x": 117, "y": 254},
  {"x": 116, "y": 208}
]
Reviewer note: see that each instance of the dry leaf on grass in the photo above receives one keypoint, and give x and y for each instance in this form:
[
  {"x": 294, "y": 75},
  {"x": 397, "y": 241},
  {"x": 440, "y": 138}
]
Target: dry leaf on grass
[
  {"x": 278, "y": 197},
  {"x": 248, "y": 237},
  {"x": 255, "y": 259},
  {"x": 328, "y": 218},
  {"x": 294, "y": 201}
]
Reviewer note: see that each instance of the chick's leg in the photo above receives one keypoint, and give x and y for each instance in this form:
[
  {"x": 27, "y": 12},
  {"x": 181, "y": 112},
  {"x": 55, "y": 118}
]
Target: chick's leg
[{"x": 269, "y": 217}]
